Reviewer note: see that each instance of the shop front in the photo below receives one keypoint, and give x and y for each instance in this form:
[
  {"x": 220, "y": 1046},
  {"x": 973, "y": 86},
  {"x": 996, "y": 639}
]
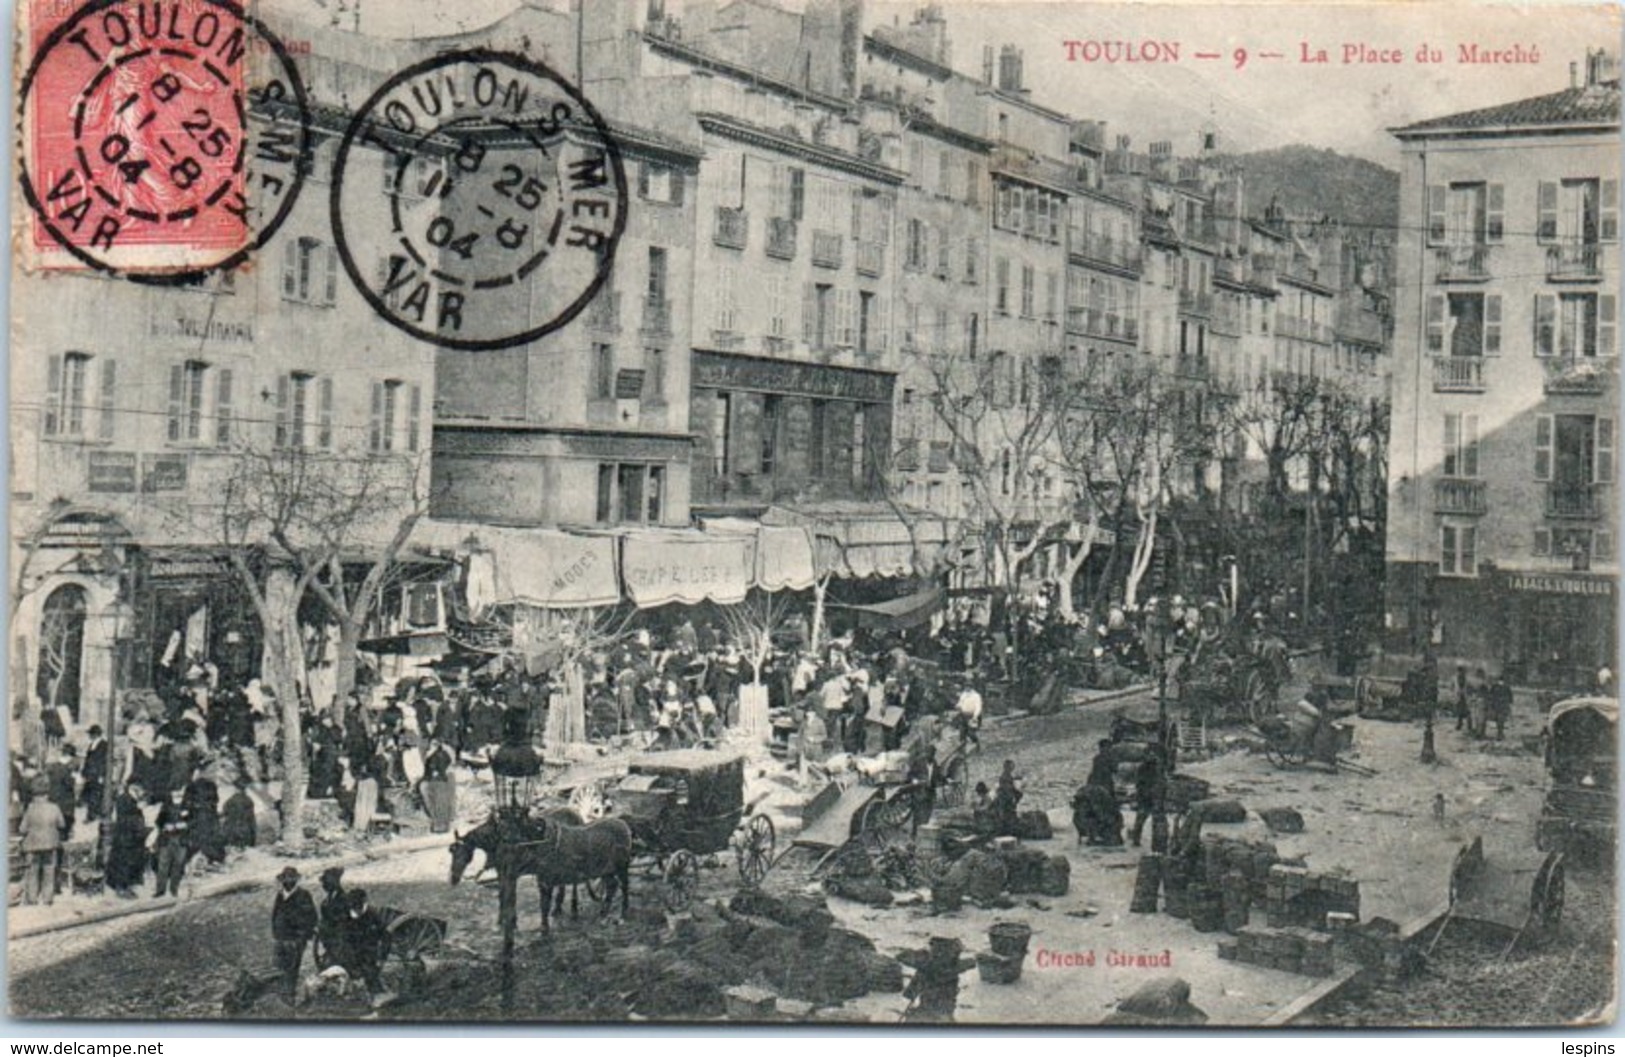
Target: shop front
[{"x": 1559, "y": 627}]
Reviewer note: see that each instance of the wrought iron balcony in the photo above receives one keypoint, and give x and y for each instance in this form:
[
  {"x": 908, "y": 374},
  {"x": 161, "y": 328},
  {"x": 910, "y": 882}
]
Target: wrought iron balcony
[
  {"x": 1460, "y": 496},
  {"x": 1458, "y": 374},
  {"x": 1578, "y": 502},
  {"x": 1574, "y": 262},
  {"x": 781, "y": 238},
  {"x": 1197, "y": 302},
  {"x": 826, "y": 249},
  {"x": 732, "y": 228},
  {"x": 1462, "y": 264},
  {"x": 1578, "y": 376}
]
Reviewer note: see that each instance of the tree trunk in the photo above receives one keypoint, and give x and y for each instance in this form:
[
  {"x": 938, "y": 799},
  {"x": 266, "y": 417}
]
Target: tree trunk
[
  {"x": 284, "y": 654},
  {"x": 820, "y": 589},
  {"x": 344, "y": 662},
  {"x": 1070, "y": 568},
  {"x": 1141, "y": 562}
]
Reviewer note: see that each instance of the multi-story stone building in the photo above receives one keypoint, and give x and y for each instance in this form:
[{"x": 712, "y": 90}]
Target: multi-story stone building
[{"x": 1501, "y": 530}]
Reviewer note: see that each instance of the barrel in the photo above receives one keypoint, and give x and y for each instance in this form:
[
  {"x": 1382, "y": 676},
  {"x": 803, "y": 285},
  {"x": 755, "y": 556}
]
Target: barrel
[{"x": 1009, "y": 938}]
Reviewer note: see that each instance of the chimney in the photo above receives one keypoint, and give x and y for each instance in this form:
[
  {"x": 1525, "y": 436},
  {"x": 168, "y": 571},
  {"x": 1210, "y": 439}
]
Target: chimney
[
  {"x": 1574, "y": 75},
  {"x": 987, "y": 64}
]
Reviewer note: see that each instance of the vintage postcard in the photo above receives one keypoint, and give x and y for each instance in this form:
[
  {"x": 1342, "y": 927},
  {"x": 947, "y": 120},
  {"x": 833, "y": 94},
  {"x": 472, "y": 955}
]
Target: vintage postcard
[{"x": 814, "y": 511}]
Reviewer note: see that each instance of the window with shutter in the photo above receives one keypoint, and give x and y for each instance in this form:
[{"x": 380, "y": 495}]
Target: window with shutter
[
  {"x": 177, "y": 400},
  {"x": 1607, "y": 325},
  {"x": 1545, "y": 324},
  {"x": 284, "y": 387},
  {"x": 290, "y": 269},
  {"x": 222, "y": 406},
  {"x": 1542, "y": 547},
  {"x": 809, "y": 313},
  {"x": 324, "y": 414},
  {"x": 414, "y": 417},
  {"x": 1543, "y": 447},
  {"x": 1438, "y": 197},
  {"x": 330, "y": 288},
  {"x": 1495, "y": 213},
  {"x": 1452, "y": 445},
  {"x": 1602, "y": 545},
  {"x": 1435, "y": 323},
  {"x": 109, "y": 386},
  {"x": 375, "y": 432},
  {"x": 1603, "y": 470},
  {"x": 1608, "y": 226},
  {"x": 53, "y": 396},
  {"x": 1546, "y": 211},
  {"x": 1492, "y": 324}
]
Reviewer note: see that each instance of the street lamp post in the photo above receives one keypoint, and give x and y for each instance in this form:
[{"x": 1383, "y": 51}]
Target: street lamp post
[
  {"x": 115, "y": 621},
  {"x": 514, "y": 771}
]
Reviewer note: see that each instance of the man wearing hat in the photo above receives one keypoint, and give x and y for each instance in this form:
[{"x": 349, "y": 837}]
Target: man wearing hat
[
  {"x": 293, "y": 924},
  {"x": 93, "y": 774},
  {"x": 933, "y": 992},
  {"x": 41, "y": 830}
]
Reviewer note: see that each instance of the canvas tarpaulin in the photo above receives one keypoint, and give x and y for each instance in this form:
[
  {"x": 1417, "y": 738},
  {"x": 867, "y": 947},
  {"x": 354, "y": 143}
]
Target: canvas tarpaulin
[
  {"x": 687, "y": 567},
  {"x": 533, "y": 566}
]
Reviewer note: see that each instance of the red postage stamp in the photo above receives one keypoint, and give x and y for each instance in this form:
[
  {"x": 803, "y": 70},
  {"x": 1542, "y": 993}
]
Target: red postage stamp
[{"x": 140, "y": 155}]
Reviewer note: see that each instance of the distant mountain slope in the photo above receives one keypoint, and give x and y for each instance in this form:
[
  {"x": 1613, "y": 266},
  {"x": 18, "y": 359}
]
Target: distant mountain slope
[{"x": 1310, "y": 182}]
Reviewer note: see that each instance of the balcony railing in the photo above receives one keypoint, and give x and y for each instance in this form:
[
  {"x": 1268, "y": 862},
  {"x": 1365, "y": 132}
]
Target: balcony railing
[
  {"x": 656, "y": 317},
  {"x": 871, "y": 258},
  {"x": 941, "y": 457},
  {"x": 1574, "y": 502},
  {"x": 1192, "y": 367},
  {"x": 1574, "y": 261},
  {"x": 908, "y": 455},
  {"x": 1462, "y": 264},
  {"x": 1099, "y": 323},
  {"x": 1458, "y": 374},
  {"x": 826, "y": 249},
  {"x": 1456, "y": 495},
  {"x": 1106, "y": 249},
  {"x": 1199, "y": 302},
  {"x": 1294, "y": 327},
  {"x": 781, "y": 238},
  {"x": 1572, "y": 376},
  {"x": 732, "y": 228},
  {"x": 605, "y": 311}
]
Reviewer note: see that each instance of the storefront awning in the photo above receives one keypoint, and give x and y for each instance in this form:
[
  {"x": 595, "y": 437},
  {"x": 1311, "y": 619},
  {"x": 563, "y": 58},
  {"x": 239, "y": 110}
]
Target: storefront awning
[
  {"x": 895, "y": 614},
  {"x": 856, "y": 540},
  {"x": 784, "y": 553},
  {"x": 687, "y": 567},
  {"x": 531, "y": 566}
]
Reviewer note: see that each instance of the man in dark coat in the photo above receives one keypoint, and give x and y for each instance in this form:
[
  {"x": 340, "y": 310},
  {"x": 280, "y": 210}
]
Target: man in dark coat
[
  {"x": 1148, "y": 783},
  {"x": 202, "y": 799},
  {"x": 330, "y": 926},
  {"x": 174, "y": 828},
  {"x": 127, "y": 855},
  {"x": 238, "y": 826},
  {"x": 1006, "y": 799},
  {"x": 293, "y": 925},
  {"x": 933, "y": 991},
  {"x": 93, "y": 775},
  {"x": 363, "y": 941}
]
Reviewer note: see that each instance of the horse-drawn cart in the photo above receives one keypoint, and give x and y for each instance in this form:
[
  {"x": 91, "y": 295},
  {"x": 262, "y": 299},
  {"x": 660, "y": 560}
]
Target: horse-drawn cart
[
  {"x": 1309, "y": 735},
  {"x": 1519, "y": 894},
  {"x": 682, "y": 805}
]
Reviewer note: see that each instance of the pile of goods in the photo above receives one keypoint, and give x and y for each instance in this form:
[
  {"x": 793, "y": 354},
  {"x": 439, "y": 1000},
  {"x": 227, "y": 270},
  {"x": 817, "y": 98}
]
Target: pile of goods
[
  {"x": 1291, "y": 950},
  {"x": 1165, "y": 1000}
]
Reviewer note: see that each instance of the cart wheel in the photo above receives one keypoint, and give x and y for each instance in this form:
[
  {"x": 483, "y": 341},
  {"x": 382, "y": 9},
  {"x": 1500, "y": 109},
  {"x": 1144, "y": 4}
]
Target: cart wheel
[
  {"x": 756, "y": 850},
  {"x": 1546, "y": 898},
  {"x": 955, "y": 779},
  {"x": 588, "y": 802},
  {"x": 682, "y": 877},
  {"x": 894, "y": 813}
]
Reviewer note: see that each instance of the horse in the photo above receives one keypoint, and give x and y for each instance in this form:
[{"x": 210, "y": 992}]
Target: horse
[
  {"x": 568, "y": 854},
  {"x": 530, "y": 857}
]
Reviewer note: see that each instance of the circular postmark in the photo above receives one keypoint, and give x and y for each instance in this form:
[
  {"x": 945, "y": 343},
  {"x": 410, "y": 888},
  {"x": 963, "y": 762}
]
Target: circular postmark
[
  {"x": 166, "y": 139},
  {"x": 503, "y": 200}
]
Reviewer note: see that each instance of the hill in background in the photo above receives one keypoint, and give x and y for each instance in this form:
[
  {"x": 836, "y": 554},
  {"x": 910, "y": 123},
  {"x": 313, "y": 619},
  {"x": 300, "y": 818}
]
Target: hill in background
[{"x": 1310, "y": 182}]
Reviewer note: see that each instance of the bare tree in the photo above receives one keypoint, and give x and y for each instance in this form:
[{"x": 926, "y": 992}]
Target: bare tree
[
  {"x": 294, "y": 522},
  {"x": 578, "y": 635}
]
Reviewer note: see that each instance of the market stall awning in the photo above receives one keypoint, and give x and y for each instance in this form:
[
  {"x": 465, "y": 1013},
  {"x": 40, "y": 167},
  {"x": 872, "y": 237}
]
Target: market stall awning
[
  {"x": 688, "y": 567},
  {"x": 855, "y": 539},
  {"x": 784, "y": 553},
  {"x": 895, "y": 614},
  {"x": 531, "y": 566}
]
